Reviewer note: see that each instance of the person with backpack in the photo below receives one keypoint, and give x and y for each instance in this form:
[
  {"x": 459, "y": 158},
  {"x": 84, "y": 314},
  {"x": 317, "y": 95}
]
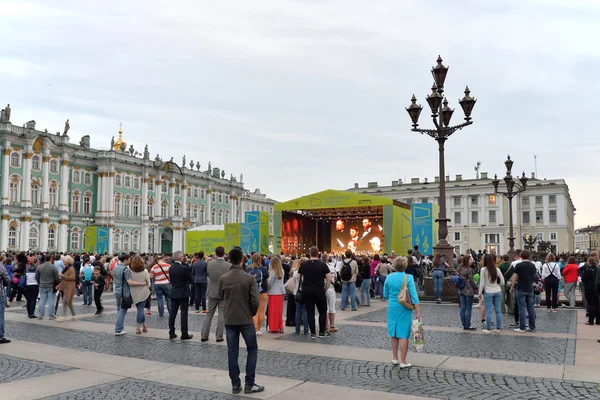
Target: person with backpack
[
  {"x": 466, "y": 290},
  {"x": 85, "y": 277},
  {"x": 591, "y": 284},
  {"x": 348, "y": 273},
  {"x": 382, "y": 271},
  {"x": 261, "y": 273},
  {"x": 551, "y": 277}
]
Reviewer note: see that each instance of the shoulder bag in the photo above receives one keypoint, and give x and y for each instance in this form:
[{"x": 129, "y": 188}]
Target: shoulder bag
[
  {"x": 404, "y": 295},
  {"x": 298, "y": 298},
  {"x": 126, "y": 301}
]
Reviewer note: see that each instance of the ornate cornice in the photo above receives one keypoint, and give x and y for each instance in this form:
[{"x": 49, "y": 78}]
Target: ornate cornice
[
  {"x": 64, "y": 163},
  {"x": 5, "y": 217},
  {"x": 45, "y": 158},
  {"x": 147, "y": 180},
  {"x": 44, "y": 220},
  {"x": 172, "y": 185},
  {"x": 111, "y": 174},
  {"x": 63, "y": 221},
  {"x": 7, "y": 152},
  {"x": 27, "y": 156},
  {"x": 25, "y": 219}
]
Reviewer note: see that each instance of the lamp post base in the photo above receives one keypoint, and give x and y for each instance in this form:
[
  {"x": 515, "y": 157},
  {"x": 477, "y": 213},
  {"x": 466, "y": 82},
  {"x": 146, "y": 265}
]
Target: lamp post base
[{"x": 445, "y": 250}]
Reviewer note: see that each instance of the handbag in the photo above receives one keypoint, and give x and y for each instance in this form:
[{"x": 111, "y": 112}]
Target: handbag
[
  {"x": 289, "y": 285},
  {"x": 126, "y": 301},
  {"x": 298, "y": 298},
  {"x": 404, "y": 295},
  {"x": 22, "y": 281}
]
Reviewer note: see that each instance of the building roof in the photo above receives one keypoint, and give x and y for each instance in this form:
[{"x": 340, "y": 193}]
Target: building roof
[{"x": 336, "y": 199}]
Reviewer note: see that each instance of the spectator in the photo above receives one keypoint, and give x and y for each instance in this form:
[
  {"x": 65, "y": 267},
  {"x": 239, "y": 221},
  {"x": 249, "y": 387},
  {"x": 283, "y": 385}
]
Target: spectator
[{"x": 181, "y": 278}]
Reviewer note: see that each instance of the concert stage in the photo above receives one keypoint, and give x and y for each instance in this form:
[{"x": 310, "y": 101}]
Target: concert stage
[{"x": 335, "y": 221}]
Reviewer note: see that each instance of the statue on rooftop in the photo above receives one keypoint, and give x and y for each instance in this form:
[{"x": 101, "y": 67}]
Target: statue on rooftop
[
  {"x": 209, "y": 167},
  {"x": 112, "y": 143},
  {"x": 146, "y": 153},
  {"x": 67, "y": 127},
  {"x": 183, "y": 161},
  {"x": 2, "y": 115},
  {"x": 241, "y": 178},
  {"x": 7, "y": 113},
  {"x": 223, "y": 174},
  {"x": 198, "y": 165}
]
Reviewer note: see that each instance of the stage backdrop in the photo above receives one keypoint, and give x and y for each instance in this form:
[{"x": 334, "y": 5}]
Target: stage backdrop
[
  {"x": 424, "y": 227},
  {"x": 205, "y": 241},
  {"x": 395, "y": 227},
  {"x": 96, "y": 239},
  {"x": 233, "y": 235}
]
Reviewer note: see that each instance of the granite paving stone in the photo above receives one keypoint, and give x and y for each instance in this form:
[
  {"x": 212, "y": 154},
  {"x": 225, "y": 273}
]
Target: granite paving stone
[
  {"x": 15, "y": 368},
  {"x": 79, "y": 310},
  {"x": 435, "y": 383},
  {"x": 137, "y": 390}
]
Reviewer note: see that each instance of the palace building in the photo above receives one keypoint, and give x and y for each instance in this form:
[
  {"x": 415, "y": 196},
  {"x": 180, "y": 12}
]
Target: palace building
[
  {"x": 479, "y": 218},
  {"x": 52, "y": 191}
]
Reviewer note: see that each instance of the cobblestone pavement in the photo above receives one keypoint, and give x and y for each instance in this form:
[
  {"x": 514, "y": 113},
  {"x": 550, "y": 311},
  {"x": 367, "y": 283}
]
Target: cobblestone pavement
[
  {"x": 528, "y": 347},
  {"x": 436, "y": 383},
  {"x": 136, "y": 390},
  {"x": 195, "y": 321},
  {"x": 79, "y": 310},
  {"x": 564, "y": 321},
  {"x": 14, "y": 369}
]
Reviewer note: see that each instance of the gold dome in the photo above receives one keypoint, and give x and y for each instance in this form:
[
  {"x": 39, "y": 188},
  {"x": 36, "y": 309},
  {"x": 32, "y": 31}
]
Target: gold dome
[{"x": 120, "y": 141}]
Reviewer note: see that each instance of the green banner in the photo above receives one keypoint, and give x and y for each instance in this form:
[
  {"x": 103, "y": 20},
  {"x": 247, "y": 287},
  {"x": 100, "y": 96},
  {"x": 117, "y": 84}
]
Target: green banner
[
  {"x": 233, "y": 236},
  {"x": 206, "y": 241}
]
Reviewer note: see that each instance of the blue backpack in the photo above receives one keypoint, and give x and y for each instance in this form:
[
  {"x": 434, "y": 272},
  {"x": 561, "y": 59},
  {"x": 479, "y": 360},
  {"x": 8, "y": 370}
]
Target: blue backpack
[
  {"x": 458, "y": 282},
  {"x": 87, "y": 273}
]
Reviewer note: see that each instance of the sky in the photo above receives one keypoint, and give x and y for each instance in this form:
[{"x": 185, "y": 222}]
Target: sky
[{"x": 302, "y": 96}]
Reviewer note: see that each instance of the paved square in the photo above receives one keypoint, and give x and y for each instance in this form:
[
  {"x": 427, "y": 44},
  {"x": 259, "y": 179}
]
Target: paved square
[{"x": 15, "y": 368}]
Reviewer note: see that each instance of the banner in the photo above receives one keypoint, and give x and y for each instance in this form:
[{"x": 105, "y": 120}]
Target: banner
[
  {"x": 333, "y": 199},
  {"x": 96, "y": 239},
  {"x": 246, "y": 239},
  {"x": 264, "y": 232},
  {"x": 253, "y": 223},
  {"x": 205, "y": 241},
  {"x": 233, "y": 235},
  {"x": 424, "y": 227}
]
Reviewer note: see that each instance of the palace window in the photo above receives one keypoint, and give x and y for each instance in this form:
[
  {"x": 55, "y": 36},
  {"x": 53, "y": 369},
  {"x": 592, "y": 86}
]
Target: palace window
[
  {"x": 151, "y": 185},
  {"x": 177, "y": 209},
  {"x": 75, "y": 203},
  {"x": 203, "y": 194},
  {"x": 220, "y": 218},
  {"x": 150, "y": 208},
  {"x": 51, "y": 238},
  {"x": 457, "y": 200},
  {"x": 116, "y": 241},
  {"x": 188, "y": 211},
  {"x": 195, "y": 214},
  {"x": 552, "y": 199},
  {"x": 76, "y": 177},
  {"x": 15, "y": 160},
  {"x": 127, "y": 183},
  {"x": 201, "y": 215},
  {"x": 553, "y": 236},
  {"x": 539, "y": 216},
  {"x": 117, "y": 205},
  {"x": 538, "y": 200},
  {"x": 457, "y": 218},
  {"x": 13, "y": 190},
  {"x": 12, "y": 236},
  {"x": 552, "y": 215},
  {"x": 188, "y": 192},
  {"x": 213, "y": 214},
  {"x": 74, "y": 240},
  {"x": 492, "y": 216},
  {"x": 525, "y": 217},
  {"x": 53, "y": 195},
  {"x": 163, "y": 187},
  {"x": 53, "y": 166},
  {"x": 163, "y": 209},
  {"x": 226, "y": 217},
  {"x": 525, "y": 200},
  {"x": 35, "y": 194},
  {"x": 135, "y": 241},
  {"x": 177, "y": 189},
  {"x": 36, "y": 163},
  {"x": 126, "y": 242},
  {"x": 118, "y": 182},
  {"x": 213, "y": 197},
  {"x": 136, "y": 183},
  {"x": 87, "y": 203},
  {"x": 87, "y": 179},
  {"x": 127, "y": 207},
  {"x": 492, "y": 242},
  {"x": 474, "y": 200},
  {"x": 136, "y": 206},
  {"x": 457, "y": 236},
  {"x": 33, "y": 238},
  {"x": 474, "y": 217},
  {"x": 492, "y": 199}
]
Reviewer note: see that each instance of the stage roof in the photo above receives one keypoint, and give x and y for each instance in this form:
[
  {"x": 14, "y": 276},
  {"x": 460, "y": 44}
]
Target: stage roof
[{"x": 336, "y": 199}]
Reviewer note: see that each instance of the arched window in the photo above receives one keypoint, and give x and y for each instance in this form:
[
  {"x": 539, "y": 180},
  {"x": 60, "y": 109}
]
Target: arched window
[
  {"x": 118, "y": 180},
  {"x": 33, "y": 237},
  {"x": 136, "y": 183},
  {"x": 53, "y": 194},
  {"x": 87, "y": 179},
  {"x": 36, "y": 163},
  {"x": 177, "y": 209},
  {"x": 75, "y": 202},
  {"x": 163, "y": 209},
  {"x": 202, "y": 217},
  {"x": 75, "y": 240},
  {"x": 188, "y": 191},
  {"x": 188, "y": 210},
  {"x": 127, "y": 181},
  {"x": 127, "y": 207},
  {"x": 12, "y": 236},
  {"x": 203, "y": 194},
  {"x": 13, "y": 189},
  {"x": 213, "y": 214},
  {"x": 226, "y": 217},
  {"x": 35, "y": 193},
  {"x": 220, "y": 219},
  {"x": 150, "y": 184},
  {"x": 117, "y": 204},
  {"x": 51, "y": 238},
  {"x": 117, "y": 241},
  {"x": 163, "y": 187},
  {"x": 15, "y": 160},
  {"x": 53, "y": 166},
  {"x": 87, "y": 203},
  {"x": 135, "y": 241},
  {"x": 195, "y": 213},
  {"x": 151, "y": 207},
  {"x": 177, "y": 189},
  {"x": 126, "y": 242},
  {"x": 136, "y": 206},
  {"x": 196, "y": 193},
  {"x": 76, "y": 177},
  {"x": 237, "y": 217}
]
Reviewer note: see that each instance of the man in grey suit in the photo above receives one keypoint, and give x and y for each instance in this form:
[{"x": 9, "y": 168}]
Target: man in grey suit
[{"x": 214, "y": 270}]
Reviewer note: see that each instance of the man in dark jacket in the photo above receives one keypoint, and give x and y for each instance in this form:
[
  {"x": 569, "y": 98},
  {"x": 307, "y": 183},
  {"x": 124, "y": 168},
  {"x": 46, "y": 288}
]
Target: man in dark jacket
[
  {"x": 181, "y": 278},
  {"x": 200, "y": 282},
  {"x": 47, "y": 278},
  {"x": 238, "y": 291}
]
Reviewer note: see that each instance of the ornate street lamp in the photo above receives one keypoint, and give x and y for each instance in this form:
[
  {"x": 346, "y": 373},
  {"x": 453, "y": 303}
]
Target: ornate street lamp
[
  {"x": 514, "y": 186},
  {"x": 441, "y": 115}
]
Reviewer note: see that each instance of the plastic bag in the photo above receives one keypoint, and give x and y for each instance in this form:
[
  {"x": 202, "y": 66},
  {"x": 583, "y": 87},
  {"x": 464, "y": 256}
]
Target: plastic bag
[{"x": 417, "y": 342}]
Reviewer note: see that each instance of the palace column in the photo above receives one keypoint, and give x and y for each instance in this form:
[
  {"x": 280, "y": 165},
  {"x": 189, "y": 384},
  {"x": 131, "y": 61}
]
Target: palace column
[
  {"x": 63, "y": 233},
  {"x": 178, "y": 238},
  {"x": 111, "y": 228},
  {"x": 144, "y": 209},
  {"x": 4, "y": 231},
  {"x": 26, "y": 183},
  {"x": 184, "y": 187},
  {"x": 24, "y": 239},
  {"x": 232, "y": 203},
  {"x": 45, "y": 182},
  {"x": 5, "y": 182},
  {"x": 110, "y": 200},
  {"x": 208, "y": 206},
  {"x": 158, "y": 200},
  {"x": 64, "y": 185},
  {"x": 241, "y": 209},
  {"x": 172, "y": 185},
  {"x": 100, "y": 194},
  {"x": 44, "y": 233}
]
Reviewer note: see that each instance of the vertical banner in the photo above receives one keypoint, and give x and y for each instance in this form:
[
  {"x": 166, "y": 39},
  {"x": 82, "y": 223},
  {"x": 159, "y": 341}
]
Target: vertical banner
[
  {"x": 406, "y": 229},
  {"x": 233, "y": 235},
  {"x": 397, "y": 230},
  {"x": 264, "y": 232},
  {"x": 246, "y": 238},
  {"x": 423, "y": 227},
  {"x": 96, "y": 239},
  {"x": 253, "y": 223},
  {"x": 277, "y": 232}
]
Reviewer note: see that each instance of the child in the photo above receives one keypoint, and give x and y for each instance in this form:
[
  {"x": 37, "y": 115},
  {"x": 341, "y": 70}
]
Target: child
[{"x": 99, "y": 283}]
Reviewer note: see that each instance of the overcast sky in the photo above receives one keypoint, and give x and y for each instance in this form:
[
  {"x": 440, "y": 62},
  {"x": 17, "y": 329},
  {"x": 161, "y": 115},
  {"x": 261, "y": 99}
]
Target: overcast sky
[{"x": 302, "y": 96}]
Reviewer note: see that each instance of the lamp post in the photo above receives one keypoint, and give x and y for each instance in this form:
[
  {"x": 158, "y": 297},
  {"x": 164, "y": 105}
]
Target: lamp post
[
  {"x": 441, "y": 115},
  {"x": 514, "y": 186}
]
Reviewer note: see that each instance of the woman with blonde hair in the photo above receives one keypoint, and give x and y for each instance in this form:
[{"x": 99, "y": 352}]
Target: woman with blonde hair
[
  {"x": 139, "y": 294},
  {"x": 67, "y": 287},
  {"x": 399, "y": 317},
  {"x": 300, "y": 307},
  {"x": 261, "y": 273},
  {"x": 276, "y": 294}
]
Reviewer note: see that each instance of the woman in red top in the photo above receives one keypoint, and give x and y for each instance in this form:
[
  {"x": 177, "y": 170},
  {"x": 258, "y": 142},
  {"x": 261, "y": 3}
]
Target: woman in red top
[{"x": 570, "y": 275}]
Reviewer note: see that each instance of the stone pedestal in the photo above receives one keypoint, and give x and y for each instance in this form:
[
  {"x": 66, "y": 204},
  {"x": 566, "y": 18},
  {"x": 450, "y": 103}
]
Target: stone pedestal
[{"x": 448, "y": 291}]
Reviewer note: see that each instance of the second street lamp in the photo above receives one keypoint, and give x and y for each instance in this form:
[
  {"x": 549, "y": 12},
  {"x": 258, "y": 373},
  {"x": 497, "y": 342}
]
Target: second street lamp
[
  {"x": 441, "y": 115},
  {"x": 513, "y": 188}
]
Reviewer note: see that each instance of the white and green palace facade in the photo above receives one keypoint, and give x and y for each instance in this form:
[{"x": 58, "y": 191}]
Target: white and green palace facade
[{"x": 56, "y": 195}]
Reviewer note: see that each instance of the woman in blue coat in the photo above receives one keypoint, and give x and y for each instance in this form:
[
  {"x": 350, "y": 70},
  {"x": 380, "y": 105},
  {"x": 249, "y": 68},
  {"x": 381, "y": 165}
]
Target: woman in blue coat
[{"x": 399, "y": 317}]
